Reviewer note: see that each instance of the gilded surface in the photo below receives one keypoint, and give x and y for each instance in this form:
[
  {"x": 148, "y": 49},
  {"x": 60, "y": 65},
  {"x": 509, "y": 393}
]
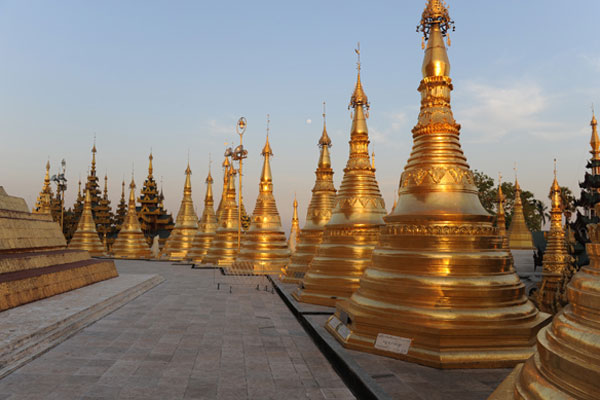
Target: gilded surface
[
  {"x": 293, "y": 239},
  {"x": 264, "y": 247},
  {"x": 86, "y": 236},
  {"x": 181, "y": 239},
  {"x": 566, "y": 364},
  {"x": 130, "y": 242},
  {"x": 42, "y": 205},
  {"x": 353, "y": 229},
  {"x": 224, "y": 247},
  {"x": 317, "y": 215},
  {"x": 519, "y": 236},
  {"x": 439, "y": 275},
  {"x": 207, "y": 226}
]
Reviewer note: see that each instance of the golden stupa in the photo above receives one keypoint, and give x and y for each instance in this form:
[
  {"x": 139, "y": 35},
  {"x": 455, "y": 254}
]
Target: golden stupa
[
  {"x": 501, "y": 215},
  {"x": 317, "y": 215},
  {"x": 86, "y": 236},
  {"x": 182, "y": 236},
  {"x": 566, "y": 364},
  {"x": 130, "y": 241},
  {"x": 441, "y": 290},
  {"x": 294, "y": 230},
  {"x": 226, "y": 165},
  {"x": 224, "y": 247},
  {"x": 264, "y": 247},
  {"x": 207, "y": 226},
  {"x": 43, "y": 203},
  {"x": 353, "y": 230},
  {"x": 556, "y": 257},
  {"x": 519, "y": 236}
]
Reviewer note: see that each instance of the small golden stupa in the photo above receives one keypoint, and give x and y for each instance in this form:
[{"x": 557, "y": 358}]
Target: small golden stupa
[
  {"x": 43, "y": 203},
  {"x": 130, "y": 242},
  {"x": 566, "y": 364},
  {"x": 207, "y": 226},
  {"x": 519, "y": 236},
  {"x": 86, "y": 236},
  {"x": 556, "y": 257},
  {"x": 501, "y": 215},
  {"x": 353, "y": 230},
  {"x": 264, "y": 247},
  {"x": 295, "y": 229},
  {"x": 226, "y": 165},
  {"x": 224, "y": 247},
  {"x": 186, "y": 225},
  {"x": 317, "y": 215},
  {"x": 441, "y": 290}
]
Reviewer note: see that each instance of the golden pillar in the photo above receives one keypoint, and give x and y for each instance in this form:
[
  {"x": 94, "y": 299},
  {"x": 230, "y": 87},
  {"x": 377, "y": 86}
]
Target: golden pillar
[
  {"x": 43, "y": 203},
  {"x": 207, "y": 226},
  {"x": 224, "y": 246},
  {"x": 353, "y": 230},
  {"x": 130, "y": 241},
  {"x": 441, "y": 290},
  {"x": 182, "y": 236},
  {"x": 264, "y": 248},
  {"x": 293, "y": 240},
  {"x": 566, "y": 364},
  {"x": 86, "y": 236},
  {"x": 556, "y": 258},
  {"x": 317, "y": 215}
]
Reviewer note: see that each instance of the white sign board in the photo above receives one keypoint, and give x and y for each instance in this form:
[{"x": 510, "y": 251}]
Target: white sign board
[
  {"x": 333, "y": 322},
  {"x": 343, "y": 331},
  {"x": 393, "y": 344}
]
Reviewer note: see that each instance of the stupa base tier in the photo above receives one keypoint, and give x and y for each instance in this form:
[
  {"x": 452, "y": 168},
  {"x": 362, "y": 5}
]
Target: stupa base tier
[
  {"x": 200, "y": 247},
  {"x": 322, "y": 297},
  {"x": 34, "y": 283},
  {"x": 256, "y": 267},
  {"x": 444, "y": 345},
  {"x": 295, "y": 279},
  {"x": 548, "y": 289},
  {"x": 305, "y": 252}
]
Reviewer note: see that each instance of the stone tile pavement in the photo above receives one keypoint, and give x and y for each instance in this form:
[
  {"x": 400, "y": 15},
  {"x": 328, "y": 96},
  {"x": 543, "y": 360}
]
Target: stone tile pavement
[{"x": 184, "y": 339}]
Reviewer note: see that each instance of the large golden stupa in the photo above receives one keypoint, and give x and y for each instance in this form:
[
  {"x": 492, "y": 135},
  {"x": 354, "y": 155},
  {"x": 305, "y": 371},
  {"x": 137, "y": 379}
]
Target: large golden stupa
[
  {"x": 441, "y": 290},
  {"x": 353, "y": 230},
  {"x": 207, "y": 226},
  {"x": 317, "y": 215},
  {"x": 182, "y": 236},
  {"x": 130, "y": 241},
  {"x": 556, "y": 257},
  {"x": 264, "y": 248},
  {"x": 86, "y": 236},
  {"x": 566, "y": 364},
  {"x": 224, "y": 247}
]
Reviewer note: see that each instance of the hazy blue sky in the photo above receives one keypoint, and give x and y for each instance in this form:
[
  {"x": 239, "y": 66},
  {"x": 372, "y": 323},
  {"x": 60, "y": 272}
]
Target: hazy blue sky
[{"x": 176, "y": 75}]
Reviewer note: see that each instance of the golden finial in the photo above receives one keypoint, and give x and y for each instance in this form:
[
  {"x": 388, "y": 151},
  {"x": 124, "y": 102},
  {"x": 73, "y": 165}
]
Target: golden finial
[
  {"x": 150, "y": 158},
  {"x": 594, "y": 141},
  {"x": 357, "y": 51},
  {"x": 435, "y": 14},
  {"x": 267, "y": 149},
  {"x": 324, "y": 140},
  {"x": 359, "y": 98}
]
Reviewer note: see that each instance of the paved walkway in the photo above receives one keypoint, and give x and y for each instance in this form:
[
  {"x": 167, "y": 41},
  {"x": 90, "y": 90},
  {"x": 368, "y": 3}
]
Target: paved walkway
[{"x": 184, "y": 339}]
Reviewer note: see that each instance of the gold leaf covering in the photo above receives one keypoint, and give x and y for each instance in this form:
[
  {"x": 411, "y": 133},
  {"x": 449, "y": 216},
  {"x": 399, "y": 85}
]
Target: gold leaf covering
[
  {"x": 317, "y": 215},
  {"x": 130, "y": 242},
  {"x": 294, "y": 230},
  {"x": 86, "y": 236},
  {"x": 264, "y": 248},
  {"x": 206, "y": 227},
  {"x": 224, "y": 246},
  {"x": 182, "y": 236},
  {"x": 519, "y": 236},
  {"x": 353, "y": 230},
  {"x": 441, "y": 290}
]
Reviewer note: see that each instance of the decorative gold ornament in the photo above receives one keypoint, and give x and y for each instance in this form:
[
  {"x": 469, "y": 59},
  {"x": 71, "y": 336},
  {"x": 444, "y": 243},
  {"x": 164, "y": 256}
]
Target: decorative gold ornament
[
  {"x": 566, "y": 364},
  {"x": 353, "y": 230},
  {"x": 441, "y": 290},
  {"x": 86, "y": 236},
  {"x": 182, "y": 236},
  {"x": 206, "y": 227},
  {"x": 130, "y": 242},
  {"x": 317, "y": 215},
  {"x": 264, "y": 248},
  {"x": 223, "y": 248}
]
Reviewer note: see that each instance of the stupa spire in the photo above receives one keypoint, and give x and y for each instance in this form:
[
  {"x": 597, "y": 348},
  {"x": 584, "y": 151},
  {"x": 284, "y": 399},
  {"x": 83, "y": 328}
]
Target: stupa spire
[
  {"x": 150, "y": 168},
  {"x": 86, "y": 235},
  {"x": 225, "y": 165},
  {"x": 264, "y": 246},
  {"x": 353, "y": 230},
  {"x": 317, "y": 214},
  {"x": 295, "y": 229},
  {"x": 500, "y": 215},
  {"x": 180, "y": 240},
  {"x": 43, "y": 204},
  {"x": 439, "y": 280},
  {"x": 130, "y": 242},
  {"x": 206, "y": 226}
]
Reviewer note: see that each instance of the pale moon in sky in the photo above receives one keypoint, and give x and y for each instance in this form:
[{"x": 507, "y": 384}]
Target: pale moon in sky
[{"x": 309, "y": 121}]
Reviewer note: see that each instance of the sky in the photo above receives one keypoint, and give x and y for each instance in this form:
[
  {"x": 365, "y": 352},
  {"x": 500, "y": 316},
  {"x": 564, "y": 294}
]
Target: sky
[{"x": 174, "y": 77}]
